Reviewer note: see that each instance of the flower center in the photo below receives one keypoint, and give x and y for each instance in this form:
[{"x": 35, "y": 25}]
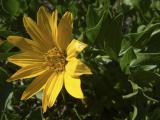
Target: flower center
[{"x": 54, "y": 59}]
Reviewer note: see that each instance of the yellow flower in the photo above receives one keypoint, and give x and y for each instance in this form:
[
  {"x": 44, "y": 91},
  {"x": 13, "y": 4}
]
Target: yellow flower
[{"x": 50, "y": 57}]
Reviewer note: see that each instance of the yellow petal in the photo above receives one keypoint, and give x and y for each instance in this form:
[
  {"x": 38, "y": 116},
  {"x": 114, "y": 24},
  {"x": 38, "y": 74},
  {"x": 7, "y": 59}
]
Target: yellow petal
[
  {"x": 76, "y": 68},
  {"x": 53, "y": 23},
  {"x": 43, "y": 22},
  {"x": 46, "y": 92},
  {"x": 74, "y": 48},
  {"x": 73, "y": 86},
  {"x": 65, "y": 30},
  {"x": 56, "y": 88},
  {"x": 52, "y": 88},
  {"x": 24, "y": 44},
  {"x": 28, "y": 72},
  {"x": 44, "y": 102},
  {"x": 26, "y": 59},
  {"x": 35, "y": 33},
  {"x": 36, "y": 85}
]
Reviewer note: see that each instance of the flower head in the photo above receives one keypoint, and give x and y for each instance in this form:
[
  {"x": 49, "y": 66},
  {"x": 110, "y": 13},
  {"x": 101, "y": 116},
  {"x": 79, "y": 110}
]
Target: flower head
[{"x": 50, "y": 57}]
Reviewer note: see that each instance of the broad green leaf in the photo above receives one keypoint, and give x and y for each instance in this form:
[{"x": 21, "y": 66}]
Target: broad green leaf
[
  {"x": 6, "y": 46},
  {"x": 157, "y": 5},
  {"x": 5, "y": 88},
  {"x": 140, "y": 39},
  {"x": 147, "y": 67},
  {"x": 110, "y": 36},
  {"x": 124, "y": 46},
  {"x": 95, "y": 23},
  {"x": 73, "y": 8},
  {"x": 91, "y": 17},
  {"x": 125, "y": 61},
  {"x": 141, "y": 28},
  {"x": 146, "y": 59},
  {"x": 11, "y": 6},
  {"x": 93, "y": 32}
]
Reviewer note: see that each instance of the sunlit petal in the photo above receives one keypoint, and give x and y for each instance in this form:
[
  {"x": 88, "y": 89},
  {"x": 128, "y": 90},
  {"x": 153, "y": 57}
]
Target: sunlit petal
[
  {"x": 53, "y": 87},
  {"x": 24, "y": 44},
  {"x": 73, "y": 86},
  {"x": 44, "y": 102},
  {"x": 76, "y": 68},
  {"x": 28, "y": 72},
  {"x": 35, "y": 33},
  {"x": 37, "y": 85},
  {"x": 53, "y": 23},
  {"x": 26, "y": 59},
  {"x": 65, "y": 27},
  {"x": 43, "y": 22},
  {"x": 74, "y": 48}
]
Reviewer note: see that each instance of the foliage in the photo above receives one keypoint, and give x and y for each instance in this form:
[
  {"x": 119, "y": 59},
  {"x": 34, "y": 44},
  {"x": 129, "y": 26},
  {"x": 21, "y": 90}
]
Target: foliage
[{"x": 123, "y": 53}]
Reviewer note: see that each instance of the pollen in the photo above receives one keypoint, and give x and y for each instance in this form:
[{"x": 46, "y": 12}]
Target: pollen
[{"x": 55, "y": 60}]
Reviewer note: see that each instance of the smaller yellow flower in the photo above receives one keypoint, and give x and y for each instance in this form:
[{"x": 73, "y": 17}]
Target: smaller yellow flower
[{"x": 50, "y": 57}]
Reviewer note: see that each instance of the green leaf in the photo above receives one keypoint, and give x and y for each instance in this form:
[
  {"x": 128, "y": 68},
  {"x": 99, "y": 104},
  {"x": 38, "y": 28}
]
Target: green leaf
[
  {"x": 110, "y": 36},
  {"x": 91, "y": 17},
  {"x": 73, "y": 8},
  {"x": 6, "y": 46},
  {"x": 4, "y": 87},
  {"x": 146, "y": 59},
  {"x": 94, "y": 22},
  {"x": 93, "y": 32},
  {"x": 124, "y": 46},
  {"x": 141, "y": 39},
  {"x": 147, "y": 67},
  {"x": 11, "y": 6},
  {"x": 125, "y": 61}
]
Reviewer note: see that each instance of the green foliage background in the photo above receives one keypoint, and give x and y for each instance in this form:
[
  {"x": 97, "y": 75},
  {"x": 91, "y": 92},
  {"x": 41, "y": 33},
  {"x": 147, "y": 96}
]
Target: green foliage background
[{"x": 123, "y": 53}]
